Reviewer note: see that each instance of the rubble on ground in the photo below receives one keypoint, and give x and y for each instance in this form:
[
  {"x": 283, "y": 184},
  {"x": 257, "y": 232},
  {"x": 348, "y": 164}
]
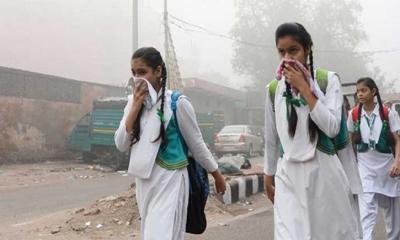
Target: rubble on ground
[{"x": 115, "y": 215}]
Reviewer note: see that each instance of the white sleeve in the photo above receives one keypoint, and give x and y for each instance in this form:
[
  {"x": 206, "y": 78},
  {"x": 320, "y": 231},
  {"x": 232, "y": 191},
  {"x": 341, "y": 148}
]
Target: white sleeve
[
  {"x": 350, "y": 123},
  {"x": 271, "y": 154},
  {"x": 394, "y": 121},
  {"x": 327, "y": 113},
  {"x": 191, "y": 134},
  {"x": 121, "y": 136}
]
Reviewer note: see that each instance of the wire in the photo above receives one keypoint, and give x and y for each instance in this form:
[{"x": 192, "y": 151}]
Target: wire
[
  {"x": 206, "y": 31},
  {"x": 209, "y": 32}
]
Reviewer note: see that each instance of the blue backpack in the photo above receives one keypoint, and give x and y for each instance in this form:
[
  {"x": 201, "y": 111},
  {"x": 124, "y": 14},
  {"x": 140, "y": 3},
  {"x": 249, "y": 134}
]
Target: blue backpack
[{"x": 196, "y": 222}]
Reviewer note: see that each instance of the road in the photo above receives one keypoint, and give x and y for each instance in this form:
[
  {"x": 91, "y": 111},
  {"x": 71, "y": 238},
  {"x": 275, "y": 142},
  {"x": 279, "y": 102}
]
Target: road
[
  {"x": 258, "y": 226},
  {"x": 20, "y": 204}
]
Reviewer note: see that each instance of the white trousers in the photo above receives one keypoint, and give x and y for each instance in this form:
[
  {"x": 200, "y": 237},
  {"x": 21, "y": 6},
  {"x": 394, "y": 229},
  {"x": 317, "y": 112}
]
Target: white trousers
[
  {"x": 356, "y": 210},
  {"x": 369, "y": 203}
]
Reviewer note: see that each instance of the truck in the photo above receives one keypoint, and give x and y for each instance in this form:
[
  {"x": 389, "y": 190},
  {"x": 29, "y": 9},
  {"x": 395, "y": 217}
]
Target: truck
[{"x": 93, "y": 135}]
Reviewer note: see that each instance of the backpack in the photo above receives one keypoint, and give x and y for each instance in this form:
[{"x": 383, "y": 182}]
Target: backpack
[
  {"x": 322, "y": 80},
  {"x": 325, "y": 144},
  {"x": 196, "y": 222},
  {"x": 355, "y": 110},
  {"x": 382, "y": 145}
]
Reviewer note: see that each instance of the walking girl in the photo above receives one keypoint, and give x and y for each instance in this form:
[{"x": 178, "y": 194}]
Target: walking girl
[
  {"x": 304, "y": 131},
  {"x": 158, "y": 156},
  {"x": 374, "y": 130}
]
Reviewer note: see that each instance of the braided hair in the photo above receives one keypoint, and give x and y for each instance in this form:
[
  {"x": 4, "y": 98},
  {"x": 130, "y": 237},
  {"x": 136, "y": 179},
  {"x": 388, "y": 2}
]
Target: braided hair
[
  {"x": 370, "y": 83},
  {"x": 300, "y": 34},
  {"x": 163, "y": 133},
  {"x": 152, "y": 57}
]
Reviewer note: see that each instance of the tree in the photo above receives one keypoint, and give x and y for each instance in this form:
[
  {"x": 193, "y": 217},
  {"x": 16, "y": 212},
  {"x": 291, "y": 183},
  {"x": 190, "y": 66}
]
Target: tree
[{"x": 333, "y": 25}]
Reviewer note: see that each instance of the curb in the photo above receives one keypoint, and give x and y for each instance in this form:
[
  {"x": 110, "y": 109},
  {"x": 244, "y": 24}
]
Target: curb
[{"x": 239, "y": 188}]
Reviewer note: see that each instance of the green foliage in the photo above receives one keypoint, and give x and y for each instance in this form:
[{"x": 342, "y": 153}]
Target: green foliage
[{"x": 333, "y": 24}]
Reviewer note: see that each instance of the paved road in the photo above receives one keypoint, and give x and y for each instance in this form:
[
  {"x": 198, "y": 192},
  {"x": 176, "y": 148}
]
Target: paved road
[
  {"x": 258, "y": 226},
  {"x": 23, "y": 203}
]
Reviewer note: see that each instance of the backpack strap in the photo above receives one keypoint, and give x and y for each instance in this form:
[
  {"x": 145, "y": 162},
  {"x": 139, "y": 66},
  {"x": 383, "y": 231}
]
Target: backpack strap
[
  {"x": 354, "y": 113},
  {"x": 174, "y": 98},
  {"x": 386, "y": 113},
  {"x": 322, "y": 79},
  {"x": 272, "y": 86},
  {"x": 355, "y": 110}
]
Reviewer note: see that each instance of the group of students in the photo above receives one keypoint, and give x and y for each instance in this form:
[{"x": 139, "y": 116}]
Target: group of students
[
  {"x": 326, "y": 175},
  {"x": 331, "y": 173}
]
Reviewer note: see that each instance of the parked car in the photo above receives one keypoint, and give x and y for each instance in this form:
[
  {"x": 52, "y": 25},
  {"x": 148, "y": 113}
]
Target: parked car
[{"x": 237, "y": 139}]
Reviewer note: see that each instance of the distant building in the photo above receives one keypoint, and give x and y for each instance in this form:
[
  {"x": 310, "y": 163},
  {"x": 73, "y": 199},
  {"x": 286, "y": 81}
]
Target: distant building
[
  {"x": 211, "y": 97},
  {"x": 38, "y": 111},
  {"x": 255, "y": 105}
]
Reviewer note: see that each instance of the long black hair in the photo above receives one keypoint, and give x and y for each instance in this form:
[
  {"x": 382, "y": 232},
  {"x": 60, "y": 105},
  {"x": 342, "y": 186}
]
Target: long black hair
[
  {"x": 300, "y": 34},
  {"x": 152, "y": 57},
  {"x": 370, "y": 83}
]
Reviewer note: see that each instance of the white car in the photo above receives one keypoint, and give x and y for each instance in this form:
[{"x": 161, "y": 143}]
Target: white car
[{"x": 236, "y": 139}]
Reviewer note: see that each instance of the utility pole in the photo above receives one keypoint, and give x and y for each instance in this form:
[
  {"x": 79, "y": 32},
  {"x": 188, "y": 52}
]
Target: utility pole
[
  {"x": 166, "y": 31},
  {"x": 135, "y": 25}
]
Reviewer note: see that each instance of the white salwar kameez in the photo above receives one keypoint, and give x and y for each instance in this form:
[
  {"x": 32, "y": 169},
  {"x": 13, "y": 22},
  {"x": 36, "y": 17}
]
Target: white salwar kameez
[
  {"x": 163, "y": 196},
  {"x": 162, "y": 202},
  {"x": 380, "y": 190},
  {"x": 313, "y": 198}
]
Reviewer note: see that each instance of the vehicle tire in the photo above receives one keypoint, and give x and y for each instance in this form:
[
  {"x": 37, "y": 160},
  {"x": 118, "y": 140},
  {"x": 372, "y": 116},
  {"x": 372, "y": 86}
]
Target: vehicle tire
[{"x": 88, "y": 157}]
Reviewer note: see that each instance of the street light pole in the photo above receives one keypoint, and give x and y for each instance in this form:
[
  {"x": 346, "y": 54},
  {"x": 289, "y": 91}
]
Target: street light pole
[
  {"x": 135, "y": 25},
  {"x": 166, "y": 43}
]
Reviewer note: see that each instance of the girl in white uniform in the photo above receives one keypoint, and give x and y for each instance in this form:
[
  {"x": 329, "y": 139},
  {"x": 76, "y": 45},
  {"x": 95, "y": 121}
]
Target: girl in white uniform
[
  {"x": 374, "y": 130},
  {"x": 312, "y": 195},
  {"x": 157, "y": 157}
]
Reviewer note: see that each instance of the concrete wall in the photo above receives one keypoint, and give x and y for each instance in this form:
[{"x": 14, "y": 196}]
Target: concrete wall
[{"x": 37, "y": 113}]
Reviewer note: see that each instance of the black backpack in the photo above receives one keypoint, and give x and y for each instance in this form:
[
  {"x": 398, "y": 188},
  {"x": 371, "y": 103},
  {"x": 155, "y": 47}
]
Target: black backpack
[{"x": 196, "y": 222}]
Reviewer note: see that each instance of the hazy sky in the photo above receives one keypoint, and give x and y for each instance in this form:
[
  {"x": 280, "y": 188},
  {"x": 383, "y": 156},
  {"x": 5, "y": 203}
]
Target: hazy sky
[{"x": 90, "y": 40}]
